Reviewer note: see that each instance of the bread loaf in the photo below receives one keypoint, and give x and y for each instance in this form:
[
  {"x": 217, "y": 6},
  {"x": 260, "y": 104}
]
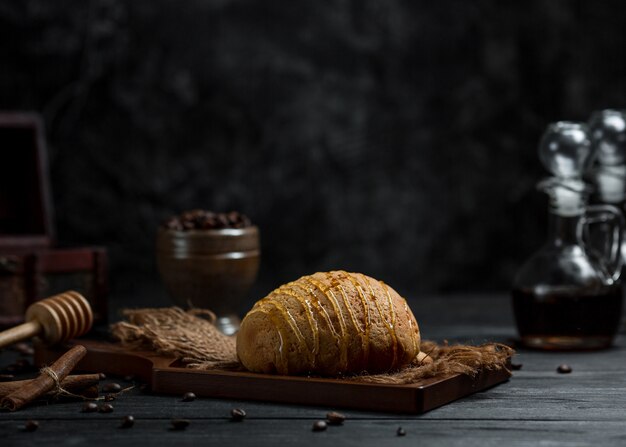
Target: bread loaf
[{"x": 329, "y": 323}]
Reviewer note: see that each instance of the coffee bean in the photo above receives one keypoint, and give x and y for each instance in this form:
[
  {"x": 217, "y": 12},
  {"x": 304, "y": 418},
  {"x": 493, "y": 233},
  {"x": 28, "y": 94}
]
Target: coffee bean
[
  {"x": 112, "y": 388},
  {"x": 206, "y": 220},
  {"x": 102, "y": 376},
  {"x": 106, "y": 408},
  {"x": 319, "y": 426},
  {"x": 189, "y": 397},
  {"x": 173, "y": 224},
  {"x": 31, "y": 425},
  {"x": 130, "y": 378},
  {"x": 180, "y": 424},
  {"x": 109, "y": 397},
  {"x": 237, "y": 414},
  {"x": 207, "y": 223},
  {"x": 564, "y": 369},
  {"x": 128, "y": 421},
  {"x": 335, "y": 418},
  {"x": 19, "y": 366},
  {"x": 233, "y": 217},
  {"x": 24, "y": 349},
  {"x": 23, "y": 364},
  {"x": 90, "y": 407},
  {"x": 516, "y": 366},
  {"x": 400, "y": 432},
  {"x": 222, "y": 221}
]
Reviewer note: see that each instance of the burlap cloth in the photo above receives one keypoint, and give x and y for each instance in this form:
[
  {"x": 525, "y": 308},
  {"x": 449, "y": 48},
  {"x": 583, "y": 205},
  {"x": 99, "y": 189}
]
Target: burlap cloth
[{"x": 192, "y": 337}]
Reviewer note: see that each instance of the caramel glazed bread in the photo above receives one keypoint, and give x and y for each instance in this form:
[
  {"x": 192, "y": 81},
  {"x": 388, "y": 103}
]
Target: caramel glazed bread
[{"x": 329, "y": 323}]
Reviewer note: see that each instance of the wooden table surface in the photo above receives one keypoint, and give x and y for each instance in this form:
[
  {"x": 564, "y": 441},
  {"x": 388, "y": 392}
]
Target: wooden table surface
[{"x": 537, "y": 406}]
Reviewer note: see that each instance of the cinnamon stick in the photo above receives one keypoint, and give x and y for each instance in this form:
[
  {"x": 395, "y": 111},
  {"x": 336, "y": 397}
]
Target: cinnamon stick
[
  {"x": 81, "y": 384},
  {"x": 48, "y": 380}
]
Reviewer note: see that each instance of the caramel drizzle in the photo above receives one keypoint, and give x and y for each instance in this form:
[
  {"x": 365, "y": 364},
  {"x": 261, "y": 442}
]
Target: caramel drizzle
[
  {"x": 389, "y": 325},
  {"x": 283, "y": 366},
  {"x": 359, "y": 330},
  {"x": 367, "y": 324},
  {"x": 319, "y": 307},
  {"x": 280, "y": 361},
  {"x": 306, "y": 305},
  {"x": 290, "y": 321},
  {"x": 337, "y": 285},
  {"x": 286, "y": 316},
  {"x": 301, "y": 294},
  {"x": 342, "y": 340},
  {"x": 409, "y": 317}
]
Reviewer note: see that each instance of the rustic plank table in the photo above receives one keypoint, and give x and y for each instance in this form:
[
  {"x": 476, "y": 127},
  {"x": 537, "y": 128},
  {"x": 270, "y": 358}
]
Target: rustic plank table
[{"x": 537, "y": 406}]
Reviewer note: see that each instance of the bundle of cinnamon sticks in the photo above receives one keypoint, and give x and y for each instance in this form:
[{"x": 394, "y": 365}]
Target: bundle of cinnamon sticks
[{"x": 53, "y": 381}]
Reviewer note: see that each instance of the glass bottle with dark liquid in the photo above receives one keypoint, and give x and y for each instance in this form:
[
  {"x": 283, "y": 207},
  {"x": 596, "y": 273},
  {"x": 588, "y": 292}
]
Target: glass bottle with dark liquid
[{"x": 568, "y": 296}]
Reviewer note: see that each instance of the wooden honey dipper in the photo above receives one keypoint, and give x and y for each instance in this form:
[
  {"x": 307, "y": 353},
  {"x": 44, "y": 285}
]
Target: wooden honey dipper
[{"x": 54, "y": 319}]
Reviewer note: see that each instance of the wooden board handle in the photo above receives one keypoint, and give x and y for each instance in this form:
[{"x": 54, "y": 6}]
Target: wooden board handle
[{"x": 19, "y": 333}]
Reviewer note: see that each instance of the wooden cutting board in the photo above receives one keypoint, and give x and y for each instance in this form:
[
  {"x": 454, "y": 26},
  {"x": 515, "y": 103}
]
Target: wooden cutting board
[{"x": 166, "y": 375}]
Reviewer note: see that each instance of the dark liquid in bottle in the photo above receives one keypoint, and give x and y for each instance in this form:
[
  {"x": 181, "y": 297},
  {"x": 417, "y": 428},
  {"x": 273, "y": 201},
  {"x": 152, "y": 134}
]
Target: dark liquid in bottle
[{"x": 565, "y": 319}]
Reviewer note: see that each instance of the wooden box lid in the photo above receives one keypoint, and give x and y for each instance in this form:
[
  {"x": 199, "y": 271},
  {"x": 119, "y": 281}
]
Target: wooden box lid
[{"x": 25, "y": 204}]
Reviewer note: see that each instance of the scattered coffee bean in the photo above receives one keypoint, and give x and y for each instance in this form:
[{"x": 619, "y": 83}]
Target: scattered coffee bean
[
  {"x": 24, "y": 349},
  {"x": 130, "y": 378},
  {"x": 189, "y": 397},
  {"x": 516, "y": 366},
  {"x": 31, "y": 425},
  {"x": 23, "y": 364},
  {"x": 128, "y": 421},
  {"x": 109, "y": 397},
  {"x": 112, "y": 388},
  {"x": 319, "y": 426},
  {"x": 106, "y": 408},
  {"x": 237, "y": 414},
  {"x": 102, "y": 376},
  {"x": 19, "y": 366},
  {"x": 180, "y": 424},
  {"x": 90, "y": 407},
  {"x": 335, "y": 418},
  {"x": 143, "y": 387},
  {"x": 564, "y": 369},
  {"x": 400, "y": 432}
]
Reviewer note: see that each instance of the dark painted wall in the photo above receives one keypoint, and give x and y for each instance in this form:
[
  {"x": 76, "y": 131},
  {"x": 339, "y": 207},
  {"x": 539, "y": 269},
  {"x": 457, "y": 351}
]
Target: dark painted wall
[{"x": 396, "y": 138}]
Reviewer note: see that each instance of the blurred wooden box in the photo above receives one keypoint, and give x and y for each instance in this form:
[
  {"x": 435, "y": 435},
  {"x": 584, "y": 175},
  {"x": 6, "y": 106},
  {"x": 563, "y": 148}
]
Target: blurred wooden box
[{"x": 31, "y": 266}]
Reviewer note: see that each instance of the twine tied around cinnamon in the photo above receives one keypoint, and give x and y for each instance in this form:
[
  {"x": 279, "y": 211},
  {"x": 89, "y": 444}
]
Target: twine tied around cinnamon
[
  {"x": 59, "y": 391},
  {"x": 192, "y": 337}
]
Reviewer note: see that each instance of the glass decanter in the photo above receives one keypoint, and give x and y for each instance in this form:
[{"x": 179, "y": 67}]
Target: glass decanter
[
  {"x": 568, "y": 296},
  {"x": 608, "y": 139}
]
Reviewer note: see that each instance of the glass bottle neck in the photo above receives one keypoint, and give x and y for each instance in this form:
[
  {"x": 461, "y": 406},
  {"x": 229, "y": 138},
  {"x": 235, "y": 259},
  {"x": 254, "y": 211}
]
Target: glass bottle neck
[{"x": 563, "y": 230}]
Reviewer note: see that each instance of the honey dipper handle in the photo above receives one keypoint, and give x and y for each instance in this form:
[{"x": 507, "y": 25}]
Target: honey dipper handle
[{"x": 19, "y": 333}]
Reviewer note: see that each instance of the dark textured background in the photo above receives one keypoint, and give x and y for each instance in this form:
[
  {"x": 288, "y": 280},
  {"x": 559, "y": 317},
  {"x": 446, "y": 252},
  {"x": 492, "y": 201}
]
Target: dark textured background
[{"x": 396, "y": 138}]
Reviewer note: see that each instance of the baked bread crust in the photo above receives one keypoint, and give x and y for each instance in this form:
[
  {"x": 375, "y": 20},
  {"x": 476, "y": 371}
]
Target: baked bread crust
[{"x": 329, "y": 323}]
